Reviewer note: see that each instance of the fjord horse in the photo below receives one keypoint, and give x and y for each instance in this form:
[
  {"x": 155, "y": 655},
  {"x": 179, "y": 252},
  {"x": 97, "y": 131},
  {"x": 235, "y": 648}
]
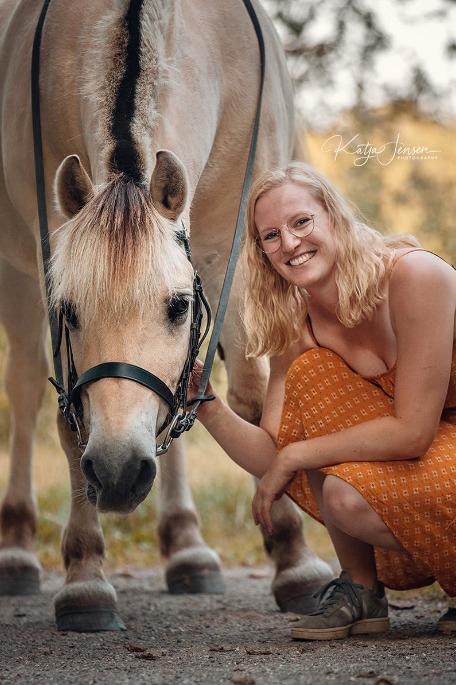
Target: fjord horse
[{"x": 146, "y": 108}]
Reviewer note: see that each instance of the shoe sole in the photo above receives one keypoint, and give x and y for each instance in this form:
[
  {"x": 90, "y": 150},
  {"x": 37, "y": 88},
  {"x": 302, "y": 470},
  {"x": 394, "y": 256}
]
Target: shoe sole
[
  {"x": 364, "y": 627},
  {"x": 447, "y": 627}
]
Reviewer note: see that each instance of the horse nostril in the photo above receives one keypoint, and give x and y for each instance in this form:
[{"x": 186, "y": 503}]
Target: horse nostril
[
  {"x": 146, "y": 475},
  {"x": 89, "y": 472},
  {"x": 148, "y": 471}
]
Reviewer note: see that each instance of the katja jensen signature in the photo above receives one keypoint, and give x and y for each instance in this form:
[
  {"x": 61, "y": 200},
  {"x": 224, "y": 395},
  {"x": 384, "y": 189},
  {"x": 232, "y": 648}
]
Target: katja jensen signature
[{"x": 382, "y": 154}]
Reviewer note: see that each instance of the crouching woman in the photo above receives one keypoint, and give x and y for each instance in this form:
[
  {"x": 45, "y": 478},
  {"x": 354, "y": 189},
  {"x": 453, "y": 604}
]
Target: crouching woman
[{"x": 359, "y": 422}]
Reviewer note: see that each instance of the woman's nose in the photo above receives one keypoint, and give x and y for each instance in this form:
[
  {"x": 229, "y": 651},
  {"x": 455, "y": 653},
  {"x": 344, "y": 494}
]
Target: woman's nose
[{"x": 289, "y": 241}]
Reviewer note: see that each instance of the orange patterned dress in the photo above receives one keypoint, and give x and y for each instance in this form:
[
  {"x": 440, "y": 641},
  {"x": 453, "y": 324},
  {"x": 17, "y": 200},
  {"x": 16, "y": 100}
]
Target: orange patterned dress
[{"x": 416, "y": 498}]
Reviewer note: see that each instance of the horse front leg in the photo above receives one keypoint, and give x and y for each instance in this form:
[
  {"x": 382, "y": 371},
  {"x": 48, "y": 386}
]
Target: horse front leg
[
  {"x": 22, "y": 315},
  {"x": 192, "y": 566},
  {"x": 87, "y": 602},
  {"x": 299, "y": 572}
]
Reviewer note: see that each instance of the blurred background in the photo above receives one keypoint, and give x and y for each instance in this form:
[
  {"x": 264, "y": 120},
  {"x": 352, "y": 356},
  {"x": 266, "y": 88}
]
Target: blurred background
[{"x": 375, "y": 90}]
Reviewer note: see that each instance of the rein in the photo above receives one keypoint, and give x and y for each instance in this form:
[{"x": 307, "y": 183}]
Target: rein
[{"x": 181, "y": 414}]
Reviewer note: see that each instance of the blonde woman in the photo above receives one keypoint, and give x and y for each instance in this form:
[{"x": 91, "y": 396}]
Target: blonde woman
[{"x": 358, "y": 425}]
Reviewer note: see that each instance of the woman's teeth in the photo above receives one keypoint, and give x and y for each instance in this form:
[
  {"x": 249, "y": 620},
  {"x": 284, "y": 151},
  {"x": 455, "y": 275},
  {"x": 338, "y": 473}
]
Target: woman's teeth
[{"x": 296, "y": 261}]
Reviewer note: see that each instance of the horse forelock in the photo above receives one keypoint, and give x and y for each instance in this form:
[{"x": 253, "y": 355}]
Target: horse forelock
[{"x": 117, "y": 257}]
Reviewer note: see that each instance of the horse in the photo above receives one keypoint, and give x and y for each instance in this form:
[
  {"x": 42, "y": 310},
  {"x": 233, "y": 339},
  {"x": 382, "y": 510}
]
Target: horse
[{"x": 146, "y": 110}]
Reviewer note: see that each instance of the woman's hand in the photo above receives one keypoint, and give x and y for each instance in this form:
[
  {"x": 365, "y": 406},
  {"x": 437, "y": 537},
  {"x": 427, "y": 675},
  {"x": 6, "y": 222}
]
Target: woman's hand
[
  {"x": 194, "y": 383},
  {"x": 272, "y": 486}
]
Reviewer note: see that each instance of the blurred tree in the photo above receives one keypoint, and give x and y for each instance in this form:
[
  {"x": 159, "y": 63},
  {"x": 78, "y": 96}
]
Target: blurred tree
[
  {"x": 336, "y": 45},
  {"x": 410, "y": 194},
  {"x": 376, "y": 71}
]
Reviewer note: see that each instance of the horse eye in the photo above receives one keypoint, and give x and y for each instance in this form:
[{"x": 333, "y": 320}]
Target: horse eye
[
  {"x": 69, "y": 312},
  {"x": 177, "y": 308}
]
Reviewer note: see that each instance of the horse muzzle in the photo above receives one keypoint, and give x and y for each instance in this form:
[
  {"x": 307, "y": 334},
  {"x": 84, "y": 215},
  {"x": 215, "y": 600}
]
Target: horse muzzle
[{"x": 119, "y": 477}]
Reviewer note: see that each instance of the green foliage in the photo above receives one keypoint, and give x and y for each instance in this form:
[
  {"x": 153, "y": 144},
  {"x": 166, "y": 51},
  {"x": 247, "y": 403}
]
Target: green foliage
[
  {"x": 132, "y": 540},
  {"x": 405, "y": 195}
]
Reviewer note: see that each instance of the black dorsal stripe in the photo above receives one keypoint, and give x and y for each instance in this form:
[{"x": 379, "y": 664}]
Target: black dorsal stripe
[{"x": 125, "y": 157}]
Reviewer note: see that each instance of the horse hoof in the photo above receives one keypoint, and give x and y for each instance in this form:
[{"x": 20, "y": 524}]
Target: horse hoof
[
  {"x": 294, "y": 588},
  {"x": 19, "y": 572},
  {"x": 88, "y": 620},
  {"x": 195, "y": 570},
  {"x": 87, "y": 607}
]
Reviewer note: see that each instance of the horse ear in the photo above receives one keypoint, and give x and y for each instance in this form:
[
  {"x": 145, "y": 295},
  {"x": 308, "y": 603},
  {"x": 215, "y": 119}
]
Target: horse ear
[
  {"x": 73, "y": 187},
  {"x": 168, "y": 186}
]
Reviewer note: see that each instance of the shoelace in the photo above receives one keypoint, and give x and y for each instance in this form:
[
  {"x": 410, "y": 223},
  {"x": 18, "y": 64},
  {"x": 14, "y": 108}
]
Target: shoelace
[{"x": 336, "y": 587}]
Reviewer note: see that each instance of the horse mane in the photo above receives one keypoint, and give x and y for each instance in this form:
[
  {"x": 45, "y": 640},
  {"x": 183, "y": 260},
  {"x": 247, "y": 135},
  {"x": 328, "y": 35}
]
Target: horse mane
[
  {"x": 124, "y": 71},
  {"x": 117, "y": 256}
]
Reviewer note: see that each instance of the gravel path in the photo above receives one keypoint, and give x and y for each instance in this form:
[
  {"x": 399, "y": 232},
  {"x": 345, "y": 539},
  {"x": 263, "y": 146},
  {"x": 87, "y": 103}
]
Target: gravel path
[{"x": 238, "y": 637}]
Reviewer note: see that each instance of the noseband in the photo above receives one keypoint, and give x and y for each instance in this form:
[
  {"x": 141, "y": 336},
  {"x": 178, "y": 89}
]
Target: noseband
[{"x": 181, "y": 414}]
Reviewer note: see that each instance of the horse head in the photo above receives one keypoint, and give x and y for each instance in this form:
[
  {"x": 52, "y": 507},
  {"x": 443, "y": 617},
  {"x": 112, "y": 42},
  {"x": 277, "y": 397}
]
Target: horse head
[{"x": 122, "y": 280}]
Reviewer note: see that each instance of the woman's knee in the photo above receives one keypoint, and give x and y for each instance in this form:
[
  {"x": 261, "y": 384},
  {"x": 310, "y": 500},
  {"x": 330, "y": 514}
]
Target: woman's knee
[{"x": 342, "y": 503}]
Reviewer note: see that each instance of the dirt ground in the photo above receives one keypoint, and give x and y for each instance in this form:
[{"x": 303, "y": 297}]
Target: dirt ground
[{"x": 239, "y": 637}]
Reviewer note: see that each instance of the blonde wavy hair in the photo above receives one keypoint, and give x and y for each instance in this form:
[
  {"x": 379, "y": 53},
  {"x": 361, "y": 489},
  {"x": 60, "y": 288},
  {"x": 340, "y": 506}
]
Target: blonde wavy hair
[{"x": 275, "y": 310}]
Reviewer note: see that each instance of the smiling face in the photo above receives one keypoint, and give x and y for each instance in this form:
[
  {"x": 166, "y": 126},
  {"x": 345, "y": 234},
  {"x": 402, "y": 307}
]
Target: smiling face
[{"x": 307, "y": 262}]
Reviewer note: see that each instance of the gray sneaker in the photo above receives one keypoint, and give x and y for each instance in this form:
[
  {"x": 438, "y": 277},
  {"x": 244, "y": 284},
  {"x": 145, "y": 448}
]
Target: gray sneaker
[
  {"x": 345, "y": 608},
  {"x": 447, "y": 623}
]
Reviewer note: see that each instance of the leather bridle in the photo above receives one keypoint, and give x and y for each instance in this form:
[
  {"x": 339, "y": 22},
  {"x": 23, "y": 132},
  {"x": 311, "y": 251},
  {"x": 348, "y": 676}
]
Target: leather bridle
[
  {"x": 177, "y": 420},
  {"x": 181, "y": 414}
]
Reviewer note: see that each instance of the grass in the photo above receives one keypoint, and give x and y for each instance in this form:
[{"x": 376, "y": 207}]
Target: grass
[{"x": 222, "y": 492}]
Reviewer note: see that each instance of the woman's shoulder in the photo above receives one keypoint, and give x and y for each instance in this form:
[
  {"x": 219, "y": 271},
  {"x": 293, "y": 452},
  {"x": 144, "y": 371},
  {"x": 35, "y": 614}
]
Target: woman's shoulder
[
  {"x": 420, "y": 279},
  {"x": 410, "y": 258},
  {"x": 412, "y": 265}
]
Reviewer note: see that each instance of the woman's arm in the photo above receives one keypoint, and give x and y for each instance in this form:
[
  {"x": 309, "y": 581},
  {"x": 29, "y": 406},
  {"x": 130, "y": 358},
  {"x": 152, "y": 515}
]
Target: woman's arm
[{"x": 252, "y": 447}]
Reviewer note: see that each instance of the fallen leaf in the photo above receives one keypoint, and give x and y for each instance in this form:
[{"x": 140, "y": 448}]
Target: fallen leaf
[
  {"x": 135, "y": 648},
  {"x": 258, "y": 651},
  {"x": 383, "y": 681},
  {"x": 151, "y": 654},
  {"x": 243, "y": 680}
]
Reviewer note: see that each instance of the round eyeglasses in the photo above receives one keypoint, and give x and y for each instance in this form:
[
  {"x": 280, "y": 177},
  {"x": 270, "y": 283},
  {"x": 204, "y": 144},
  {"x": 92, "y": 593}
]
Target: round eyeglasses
[{"x": 271, "y": 240}]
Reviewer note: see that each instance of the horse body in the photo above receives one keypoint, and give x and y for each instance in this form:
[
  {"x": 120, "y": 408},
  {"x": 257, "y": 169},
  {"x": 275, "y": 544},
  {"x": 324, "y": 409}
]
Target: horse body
[{"x": 121, "y": 82}]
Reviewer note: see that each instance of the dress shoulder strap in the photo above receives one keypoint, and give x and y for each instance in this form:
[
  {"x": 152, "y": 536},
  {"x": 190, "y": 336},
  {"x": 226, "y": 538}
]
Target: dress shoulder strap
[{"x": 311, "y": 331}]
